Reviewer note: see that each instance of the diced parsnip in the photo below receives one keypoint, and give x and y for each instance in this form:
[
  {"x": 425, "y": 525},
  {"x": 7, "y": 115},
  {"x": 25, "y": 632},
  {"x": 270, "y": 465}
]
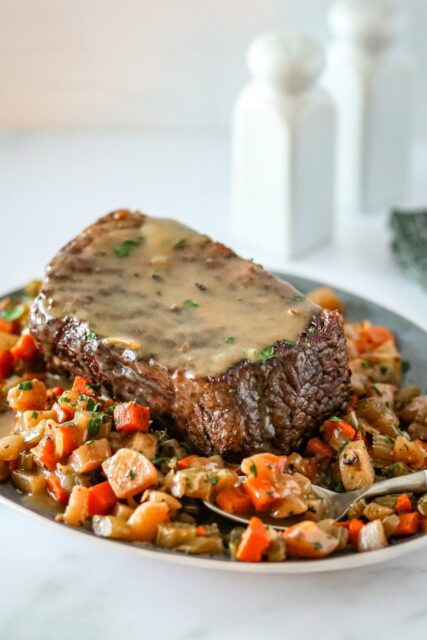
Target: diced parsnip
[
  {"x": 161, "y": 496},
  {"x": 263, "y": 465},
  {"x": 4, "y": 471},
  {"x": 7, "y": 340},
  {"x": 409, "y": 453},
  {"x": 129, "y": 472},
  {"x": 27, "y": 420},
  {"x": 416, "y": 404},
  {"x": 145, "y": 519},
  {"x": 372, "y": 536},
  {"x": 291, "y": 505},
  {"x": 122, "y": 511},
  {"x": 111, "y": 527},
  {"x": 202, "y": 484},
  {"x": 391, "y": 523},
  {"x": 317, "y": 509},
  {"x": 330, "y": 526},
  {"x": 27, "y": 482},
  {"x": 145, "y": 443},
  {"x": 307, "y": 540},
  {"x": 30, "y": 394},
  {"x": 355, "y": 466},
  {"x": 356, "y": 510},
  {"x": 326, "y": 298},
  {"x": 10, "y": 447},
  {"x": 90, "y": 455},
  {"x": 77, "y": 508},
  {"x": 375, "y": 511}
]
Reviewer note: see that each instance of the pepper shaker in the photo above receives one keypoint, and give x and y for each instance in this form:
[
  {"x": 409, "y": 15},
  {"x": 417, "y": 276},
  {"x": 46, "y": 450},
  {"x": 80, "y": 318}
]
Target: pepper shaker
[
  {"x": 283, "y": 150},
  {"x": 370, "y": 80}
]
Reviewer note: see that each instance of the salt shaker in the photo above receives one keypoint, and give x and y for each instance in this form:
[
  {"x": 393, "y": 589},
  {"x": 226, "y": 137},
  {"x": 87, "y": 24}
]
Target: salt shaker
[
  {"x": 370, "y": 80},
  {"x": 283, "y": 150}
]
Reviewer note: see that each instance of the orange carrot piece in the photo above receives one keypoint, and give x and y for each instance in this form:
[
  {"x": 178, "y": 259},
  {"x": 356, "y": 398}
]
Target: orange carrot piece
[
  {"x": 339, "y": 428},
  {"x": 233, "y": 500},
  {"x": 45, "y": 453},
  {"x": 83, "y": 386},
  {"x": 8, "y": 326},
  {"x": 354, "y": 528},
  {"x": 65, "y": 441},
  {"x": 201, "y": 530},
  {"x": 254, "y": 542},
  {"x": 373, "y": 337},
  {"x": 187, "y": 462},
  {"x": 101, "y": 499},
  {"x": 6, "y": 363},
  {"x": 130, "y": 416},
  {"x": 56, "y": 490},
  {"x": 409, "y": 524},
  {"x": 403, "y": 504},
  {"x": 315, "y": 447},
  {"x": 262, "y": 493},
  {"x": 25, "y": 349}
]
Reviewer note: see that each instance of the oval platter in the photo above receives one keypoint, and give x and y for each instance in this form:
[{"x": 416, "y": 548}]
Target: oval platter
[{"x": 412, "y": 342}]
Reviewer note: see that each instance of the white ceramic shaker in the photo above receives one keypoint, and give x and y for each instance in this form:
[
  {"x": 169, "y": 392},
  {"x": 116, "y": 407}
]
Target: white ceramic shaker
[
  {"x": 370, "y": 80},
  {"x": 283, "y": 150}
]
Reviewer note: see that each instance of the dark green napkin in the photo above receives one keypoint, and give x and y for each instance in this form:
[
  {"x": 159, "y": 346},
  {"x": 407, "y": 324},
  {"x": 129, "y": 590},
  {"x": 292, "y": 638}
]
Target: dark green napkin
[{"x": 409, "y": 244}]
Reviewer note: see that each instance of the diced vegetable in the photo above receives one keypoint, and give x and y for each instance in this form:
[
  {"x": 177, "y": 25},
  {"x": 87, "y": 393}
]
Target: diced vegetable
[
  {"x": 44, "y": 453},
  {"x": 372, "y": 536},
  {"x": 130, "y": 472},
  {"x": 201, "y": 483},
  {"x": 263, "y": 465},
  {"x": 30, "y": 394},
  {"x": 6, "y": 363},
  {"x": 174, "y": 534},
  {"x": 254, "y": 542},
  {"x": 101, "y": 499},
  {"x": 391, "y": 524},
  {"x": 65, "y": 440},
  {"x": 145, "y": 443},
  {"x": 77, "y": 508},
  {"x": 111, "y": 527},
  {"x": 307, "y": 540},
  {"x": 130, "y": 416},
  {"x": 409, "y": 453},
  {"x": 25, "y": 349},
  {"x": 403, "y": 504},
  {"x": 262, "y": 493},
  {"x": 28, "y": 482},
  {"x": 145, "y": 519},
  {"x": 378, "y": 416},
  {"x": 151, "y": 495},
  {"x": 56, "y": 490},
  {"x": 122, "y": 511},
  {"x": 422, "y": 505},
  {"x": 382, "y": 447},
  {"x": 409, "y": 524},
  {"x": 336, "y": 432},
  {"x": 315, "y": 447},
  {"x": 326, "y": 298},
  {"x": 90, "y": 456},
  {"x": 83, "y": 386},
  {"x": 234, "y": 500},
  {"x": 355, "y": 465},
  {"x": 372, "y": 337},
  {"x": 375, "y": 511},
  {"x": 355, "y": 526},
  {"x": 10, "y": 447}
]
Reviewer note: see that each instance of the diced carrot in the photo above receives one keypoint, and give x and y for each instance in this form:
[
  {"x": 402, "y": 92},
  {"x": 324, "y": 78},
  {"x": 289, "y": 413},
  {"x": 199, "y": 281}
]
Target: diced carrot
[
  {"x": 6, "y": 363},
  {"x": 262, "y": 493},
  {"x": 409, "y": 524},
  {"x": 234, "y": 500},
  {"x": 53, "y": 393},
  {"x": 201, "y": 530},
  {"x": 312, "y": 468},
  {"x": 145, "y": 520},
  {"x": 83, "y": 386},
  {"x": 65, "y": 441},
  {"x": 315, "y": 447},
  {"x": 45, "y": 454},
  {"x": 403, "y": 504},
  {"x": 353, "y": 402},
  {"x": 130, "y": 416},
  {"x": 63, "y": 412},
  {"x": 101, "y": 499},
  {"x": 338, "y": 430},
  {"x": 56, "y": 490},
  {"x": 421, "y": 444},
  {"x": 8, "y": 326},
  {"x": 25, "y": 349},
  {"x": 187, "y": 462},
  {"x": 306, "y": 540},
  {"x": 254, "y": 542},
  {"x": 354, "y": 527},
  {"x": 373, "y": 337}
]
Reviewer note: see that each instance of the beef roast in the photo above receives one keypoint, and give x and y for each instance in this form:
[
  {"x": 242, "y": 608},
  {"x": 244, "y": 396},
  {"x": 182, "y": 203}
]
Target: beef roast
[{"x": 234, "y": 359}]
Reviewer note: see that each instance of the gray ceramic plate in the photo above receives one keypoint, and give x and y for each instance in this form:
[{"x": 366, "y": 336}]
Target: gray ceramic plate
[{"x": 413, "y": 346}]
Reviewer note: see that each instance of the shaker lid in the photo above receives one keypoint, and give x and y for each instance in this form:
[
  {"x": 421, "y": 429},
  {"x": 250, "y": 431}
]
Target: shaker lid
[{"x": 293, "y": 62}]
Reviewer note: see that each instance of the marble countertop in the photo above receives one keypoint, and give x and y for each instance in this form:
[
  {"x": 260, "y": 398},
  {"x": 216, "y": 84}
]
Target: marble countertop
[{"x": 57, "y": 585}]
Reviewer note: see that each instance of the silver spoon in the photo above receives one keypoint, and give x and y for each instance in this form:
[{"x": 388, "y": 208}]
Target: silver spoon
[{"x": 339, "y": 503}]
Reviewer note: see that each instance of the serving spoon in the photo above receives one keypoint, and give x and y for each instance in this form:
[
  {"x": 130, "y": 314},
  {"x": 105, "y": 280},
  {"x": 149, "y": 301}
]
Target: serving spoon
[{"x": 339, "y": 503}]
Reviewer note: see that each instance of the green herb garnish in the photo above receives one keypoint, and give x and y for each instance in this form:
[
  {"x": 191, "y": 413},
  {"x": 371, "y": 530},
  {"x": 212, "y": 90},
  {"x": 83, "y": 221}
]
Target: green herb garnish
[
  {"x": 377, "y": 391},
  {"x": 181, "y": 244},
  {"x": 265, "y": 354},
  {"x": 132, "y": 474},
  {"x": 158, "y": 293},
  {"x": 230, "y": 340},
  {"x": 25, "y": 386},
  {"x": 89, "y": 441},
  {"x": 213, "y": 480},
  {"x": 124, "y": 249},
  {"x": 383, "y": 369},
  {"x": 317, "y": 546},
  {"x": 90, "y": 404},
  {"x": 190, "y": 304},
  {"x": 270, "y": 494},
  {"x": 99, "y": 254},
  {"x": 335, "y": 419},
  {"x": 95, "y": 423},
  {"x": 253, "y": 469},
  {"x": 14, "y": 313},
  {"x": 90, "y": 335},
  {"x": 405, "y": 365},
  {"x": 35, "y": 415},
  {"x": 366, "y": 365},
  {"x": 297, "y": 297}
]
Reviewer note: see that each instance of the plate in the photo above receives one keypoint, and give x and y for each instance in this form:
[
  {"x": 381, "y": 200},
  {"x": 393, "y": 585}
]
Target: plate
[{"x": 412, "y": 341}]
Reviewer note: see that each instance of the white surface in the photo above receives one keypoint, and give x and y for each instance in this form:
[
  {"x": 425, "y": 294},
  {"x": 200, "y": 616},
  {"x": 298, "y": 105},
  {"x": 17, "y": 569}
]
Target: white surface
[
  {"x": 153, "y": 63},
  {"x": 56, "y": 585}
]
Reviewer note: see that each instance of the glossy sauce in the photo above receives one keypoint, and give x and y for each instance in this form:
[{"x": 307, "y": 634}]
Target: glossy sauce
[{"x": 174, "y": 297}]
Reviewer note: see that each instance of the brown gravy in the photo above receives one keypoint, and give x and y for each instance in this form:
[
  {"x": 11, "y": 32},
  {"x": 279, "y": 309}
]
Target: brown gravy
[{"x": 171, "y": 295}]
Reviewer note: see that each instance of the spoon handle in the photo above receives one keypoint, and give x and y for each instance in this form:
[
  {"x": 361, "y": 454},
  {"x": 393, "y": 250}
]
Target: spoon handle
[{"x": 412, "y": 482}]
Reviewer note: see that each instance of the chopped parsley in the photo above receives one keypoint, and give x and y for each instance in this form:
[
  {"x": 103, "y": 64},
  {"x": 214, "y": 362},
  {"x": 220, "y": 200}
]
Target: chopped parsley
[
  {"x": 297, "y": 297},
  {"x": 377, "y": 391},
  {"x": 14, "y": 313},
  {"x": 335, "y": 419},
  {"x": 181, "y": 244},
  {"x": 158, "y": 293},
  {"x": 64, "y": 399},
  {"x": 213, "y": 480},
  {"x": 405, "y": 366},
  {"x": 95, "y": 423},
  {"x": 317, "y": 546},
  {"x": 190, "y": 304},
  {"x": 383, "y": 369},
  {"x": 270, "y": 494},
  {"x": 35, "y": 415},
  {"x": 89, "y": 441},
  {"x": 132, "y": 474},
  {"x": 99, "y": 254},
  {"x": 124, "y": 249},
  {"x": 91, "y": 405},
  {"x": 90, "y": 335},
  {"x": 253, "y": 469},
  {"x": 230, "y": 340},
  {"x": 366, "y": 365},
  {"x": 265, "y": 354},
  {"x": 25, "y": 386}
]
